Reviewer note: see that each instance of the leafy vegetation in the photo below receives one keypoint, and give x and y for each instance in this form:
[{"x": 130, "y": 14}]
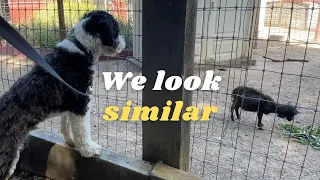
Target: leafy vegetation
[
  {"x": 303, "y": 135},
  {"x": 43, "y": 29}
]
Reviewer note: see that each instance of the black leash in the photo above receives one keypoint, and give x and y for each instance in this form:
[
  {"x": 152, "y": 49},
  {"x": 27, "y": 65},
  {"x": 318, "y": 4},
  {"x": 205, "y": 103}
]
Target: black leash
[{"x": 17, "y": 41}]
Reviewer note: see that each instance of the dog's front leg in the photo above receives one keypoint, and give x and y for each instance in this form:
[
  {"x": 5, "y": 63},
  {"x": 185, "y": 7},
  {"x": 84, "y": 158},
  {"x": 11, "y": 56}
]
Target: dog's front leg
[
  {"x": 65, "y": 129},
  {"x": 81, "y": 131}
]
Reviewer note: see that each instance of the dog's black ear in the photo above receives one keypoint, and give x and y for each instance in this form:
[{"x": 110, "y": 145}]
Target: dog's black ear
[
  {"x": 109, "y": 31},
  {"x": 104, "y": 26},
  {"x": 105, "y": 33}
]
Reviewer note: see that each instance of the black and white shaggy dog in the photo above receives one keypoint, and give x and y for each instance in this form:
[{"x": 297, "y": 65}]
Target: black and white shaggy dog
[
  {"x": 250, "y": 98},
  {"x": 38, "y": 96}
]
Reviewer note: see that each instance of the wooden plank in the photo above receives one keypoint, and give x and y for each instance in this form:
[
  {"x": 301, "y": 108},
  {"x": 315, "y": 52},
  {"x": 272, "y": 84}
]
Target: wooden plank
[
  {"x": 47, "y": 155},
  {"x": 168, "y": 42},
  {"x": 162, "y": 171}
]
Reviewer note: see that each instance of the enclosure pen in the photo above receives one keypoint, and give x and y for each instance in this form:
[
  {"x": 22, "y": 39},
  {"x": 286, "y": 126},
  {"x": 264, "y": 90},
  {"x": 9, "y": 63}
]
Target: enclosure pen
[{"x": 270, "y": 45}]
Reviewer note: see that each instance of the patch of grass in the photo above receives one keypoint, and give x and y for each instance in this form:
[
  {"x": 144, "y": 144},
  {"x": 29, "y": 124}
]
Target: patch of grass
[
  {"x": 43, "y": 30},
  {"x": 303, "y": 135}
]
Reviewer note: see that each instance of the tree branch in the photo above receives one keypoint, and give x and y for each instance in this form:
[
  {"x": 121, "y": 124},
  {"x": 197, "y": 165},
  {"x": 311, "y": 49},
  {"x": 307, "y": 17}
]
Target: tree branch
[{"x": 288, "y": 59}]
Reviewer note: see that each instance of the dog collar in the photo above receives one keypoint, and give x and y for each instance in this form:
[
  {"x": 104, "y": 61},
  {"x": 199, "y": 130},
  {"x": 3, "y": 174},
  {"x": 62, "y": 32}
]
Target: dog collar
[{"x": 80, "y": 46}]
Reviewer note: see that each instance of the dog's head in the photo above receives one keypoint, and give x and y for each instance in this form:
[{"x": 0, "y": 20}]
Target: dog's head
[
  {"x": 287, "y": 111},
  {"x": 103, "y": 30}
]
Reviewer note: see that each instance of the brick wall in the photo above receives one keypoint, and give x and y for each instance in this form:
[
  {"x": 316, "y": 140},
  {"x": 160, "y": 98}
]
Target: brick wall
[{"x": 280, "y": 15}]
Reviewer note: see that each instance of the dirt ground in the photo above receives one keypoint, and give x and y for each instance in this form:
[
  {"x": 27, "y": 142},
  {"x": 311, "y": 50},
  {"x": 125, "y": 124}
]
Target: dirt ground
[{"x": 220, "y": 149}]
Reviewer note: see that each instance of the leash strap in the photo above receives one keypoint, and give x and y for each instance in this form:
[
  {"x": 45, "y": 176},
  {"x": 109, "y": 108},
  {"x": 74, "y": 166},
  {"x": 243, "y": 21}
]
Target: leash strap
[{"x": 16, "y": 40}]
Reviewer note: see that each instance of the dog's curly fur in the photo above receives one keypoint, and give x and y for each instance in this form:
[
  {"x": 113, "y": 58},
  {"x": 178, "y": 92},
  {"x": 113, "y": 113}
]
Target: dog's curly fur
[
  {"x": 38, "y": 96},
  {"x": 256, "y": 101}
]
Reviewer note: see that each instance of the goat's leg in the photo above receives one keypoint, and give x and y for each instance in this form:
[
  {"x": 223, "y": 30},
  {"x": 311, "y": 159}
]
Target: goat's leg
[
  {"x": 260, "y": 114},
  {"x": 237, "y": 112},
  {"x": 231, "y": 110}
]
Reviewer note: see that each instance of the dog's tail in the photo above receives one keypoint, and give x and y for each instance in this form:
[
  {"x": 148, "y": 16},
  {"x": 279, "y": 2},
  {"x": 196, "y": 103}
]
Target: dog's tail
[{"x": 10, "y": 146}]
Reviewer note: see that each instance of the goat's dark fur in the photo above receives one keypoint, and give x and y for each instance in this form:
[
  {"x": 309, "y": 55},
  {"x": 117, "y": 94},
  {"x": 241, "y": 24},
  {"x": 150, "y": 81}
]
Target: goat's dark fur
[{"x": 250, "y": 99}]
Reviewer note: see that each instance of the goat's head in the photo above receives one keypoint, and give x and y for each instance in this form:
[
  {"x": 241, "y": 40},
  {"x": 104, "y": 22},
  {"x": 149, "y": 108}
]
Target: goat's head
[{"x": 287, "y": 111}]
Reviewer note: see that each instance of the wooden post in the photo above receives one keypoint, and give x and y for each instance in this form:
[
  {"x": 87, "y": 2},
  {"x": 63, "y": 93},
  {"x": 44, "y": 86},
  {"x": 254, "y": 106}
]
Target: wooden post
[
  {"x": 1, "y": 10},
  {"x": 317, "y": 32},
  {"x": 256, "y": 25},
  {"x": 168, "y": 43},
  {"x": 137, "y": 29},
  {"x": 5, "y": 10},
  {"x": 62, "y": 25}
]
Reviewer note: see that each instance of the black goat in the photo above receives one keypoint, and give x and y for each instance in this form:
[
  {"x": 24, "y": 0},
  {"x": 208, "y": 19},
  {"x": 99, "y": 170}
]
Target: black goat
[{"x": 256, "y": 101}]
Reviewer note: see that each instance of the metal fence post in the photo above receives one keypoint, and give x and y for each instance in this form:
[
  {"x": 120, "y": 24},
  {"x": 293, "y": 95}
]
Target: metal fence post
[{"x": 168, "y": 43}]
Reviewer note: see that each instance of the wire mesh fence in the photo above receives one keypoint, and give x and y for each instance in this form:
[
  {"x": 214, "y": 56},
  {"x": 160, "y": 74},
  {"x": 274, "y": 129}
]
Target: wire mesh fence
[
  {"x": 275, "y": 31},
  {"x": 271, "y": 45},
  {"x": 38, "y": 22}
]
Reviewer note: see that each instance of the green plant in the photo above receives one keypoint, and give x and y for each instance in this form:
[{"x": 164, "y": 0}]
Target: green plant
[
  {"x": 126, "y": 31},
  {"x": 303, "y": 135},
  {"x": 43, "y": 29}
]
